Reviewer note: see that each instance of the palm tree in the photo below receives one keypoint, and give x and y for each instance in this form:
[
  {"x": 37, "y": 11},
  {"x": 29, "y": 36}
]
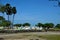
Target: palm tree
[
  {"x": 14, "y": 12},
  {"x": 8, "y": 10}
]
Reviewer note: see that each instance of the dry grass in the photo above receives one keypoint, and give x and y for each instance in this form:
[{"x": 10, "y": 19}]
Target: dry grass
[{"x": 32, "y": 36}]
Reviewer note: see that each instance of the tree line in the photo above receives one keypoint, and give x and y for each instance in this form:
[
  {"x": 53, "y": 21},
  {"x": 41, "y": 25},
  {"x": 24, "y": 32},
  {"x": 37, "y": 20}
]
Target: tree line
[
  {"x": 46, "y": 25},
  {"x": 6, "y": 23},
  {"x": 9, "y": 10}
]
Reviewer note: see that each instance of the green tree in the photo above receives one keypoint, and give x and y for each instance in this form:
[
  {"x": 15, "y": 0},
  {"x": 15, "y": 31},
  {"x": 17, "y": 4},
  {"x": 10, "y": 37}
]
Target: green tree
[
  {"x": 26, "y": 24},
  {"x": 2, "y": 10},
  {"x": 6, "y": 23},
  {"x": 39, "y": 24},
  {"x": 18, "y": 25},
  {"x": 49, "y": 25},
  {"x": 2, "y": 18},
  {"x": 58, "y": 26},
  {"x": 8, "y": 9}
]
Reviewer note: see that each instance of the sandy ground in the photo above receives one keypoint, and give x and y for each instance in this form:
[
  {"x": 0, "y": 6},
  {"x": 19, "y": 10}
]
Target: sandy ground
[{"x": 26, "y": 36}]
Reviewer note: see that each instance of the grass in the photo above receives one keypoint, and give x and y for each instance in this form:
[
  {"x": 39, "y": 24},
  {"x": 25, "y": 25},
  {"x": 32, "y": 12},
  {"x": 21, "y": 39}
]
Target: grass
[
  {"x": 46, "y": 37},
  {"x": 34, "y": 36},
  {"x": 50, "y": 37},
  {"x": 56, "y": 29}
]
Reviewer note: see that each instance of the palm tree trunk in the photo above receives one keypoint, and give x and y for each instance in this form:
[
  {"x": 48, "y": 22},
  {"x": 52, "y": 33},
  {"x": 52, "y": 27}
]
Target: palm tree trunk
[
  {"x": 8, "y": 20},
  {"x": 8, "y": 17},
  {"x": 13, "y": 20},
  {"x": 3, "y": 14}
]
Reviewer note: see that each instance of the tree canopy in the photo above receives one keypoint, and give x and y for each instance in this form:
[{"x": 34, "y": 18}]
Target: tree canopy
[
  {"x": 26, "y": 24},
  {"x": 18, "y": 25},
  {"x": 2, "y": 18},
  {"x": 4, "y": 22},
  {"x": 58, "y": 26},
  {"x": 39, "y": 24},
  {"x": 49, "y": 25}
]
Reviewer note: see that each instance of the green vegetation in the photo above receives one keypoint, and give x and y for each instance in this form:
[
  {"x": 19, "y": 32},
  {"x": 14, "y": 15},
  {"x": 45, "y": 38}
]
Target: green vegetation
[
  {"x": 58, "y": 26},
  {"x": 46, "y": 26},
  {"x": 18, "y": 25},
  {"x": 36, "y": 36},
  {"x": 39, "y": 24},
  {"x": 2, "y": 18},
  {"x": 26, "y": 24},
  {"x": 9, "y": 10},
  {"x": 49, "y": 25},
  {"x": 50, "y": 37},
  {"x": 4, "y": 22}
]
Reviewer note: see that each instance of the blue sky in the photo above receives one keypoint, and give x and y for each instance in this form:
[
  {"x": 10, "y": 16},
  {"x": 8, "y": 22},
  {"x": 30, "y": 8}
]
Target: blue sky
[{"x": 34, "y": 11}]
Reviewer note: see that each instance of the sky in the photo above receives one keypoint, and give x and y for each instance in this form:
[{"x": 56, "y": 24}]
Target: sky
[{"x": 34, "y": 11}]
